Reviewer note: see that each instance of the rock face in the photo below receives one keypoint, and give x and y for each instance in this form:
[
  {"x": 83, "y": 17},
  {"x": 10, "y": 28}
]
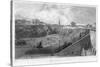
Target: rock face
[{"x": 93, "y": 41}]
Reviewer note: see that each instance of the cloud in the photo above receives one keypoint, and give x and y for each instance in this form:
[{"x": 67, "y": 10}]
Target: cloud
[
  {"x": 53, "y": 13},
  {"x": 53, "y": 16},
  {"x": 85, "y": 15}
]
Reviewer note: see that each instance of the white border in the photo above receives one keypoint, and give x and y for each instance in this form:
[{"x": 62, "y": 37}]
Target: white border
[
  {"x": 49, "y": 60},
  {"x": 54, "y": 60}
]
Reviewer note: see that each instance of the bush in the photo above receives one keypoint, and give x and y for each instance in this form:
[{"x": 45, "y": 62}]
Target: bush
[
  {"x": 29, "y": 31},
  {"x": 20, "y": 43}
]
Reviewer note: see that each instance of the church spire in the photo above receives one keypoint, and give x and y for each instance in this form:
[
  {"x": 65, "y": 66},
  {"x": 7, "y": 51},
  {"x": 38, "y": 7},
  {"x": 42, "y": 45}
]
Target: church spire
[{"x": 59, "y": 22}]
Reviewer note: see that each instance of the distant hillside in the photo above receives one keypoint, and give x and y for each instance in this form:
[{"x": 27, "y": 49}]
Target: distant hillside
[{"x": 29, "y": 22}]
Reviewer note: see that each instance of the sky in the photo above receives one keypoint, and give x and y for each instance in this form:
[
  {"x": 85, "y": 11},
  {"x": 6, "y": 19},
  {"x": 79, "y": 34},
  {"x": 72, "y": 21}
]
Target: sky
[{"x": 52, "y": 13}]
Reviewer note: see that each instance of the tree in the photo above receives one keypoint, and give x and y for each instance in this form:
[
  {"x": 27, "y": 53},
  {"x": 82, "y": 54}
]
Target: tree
[
  {"x": 36, "y": 21},
  {"x": 89, "y": 26},
  {"x": 73, "y": 24}
]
